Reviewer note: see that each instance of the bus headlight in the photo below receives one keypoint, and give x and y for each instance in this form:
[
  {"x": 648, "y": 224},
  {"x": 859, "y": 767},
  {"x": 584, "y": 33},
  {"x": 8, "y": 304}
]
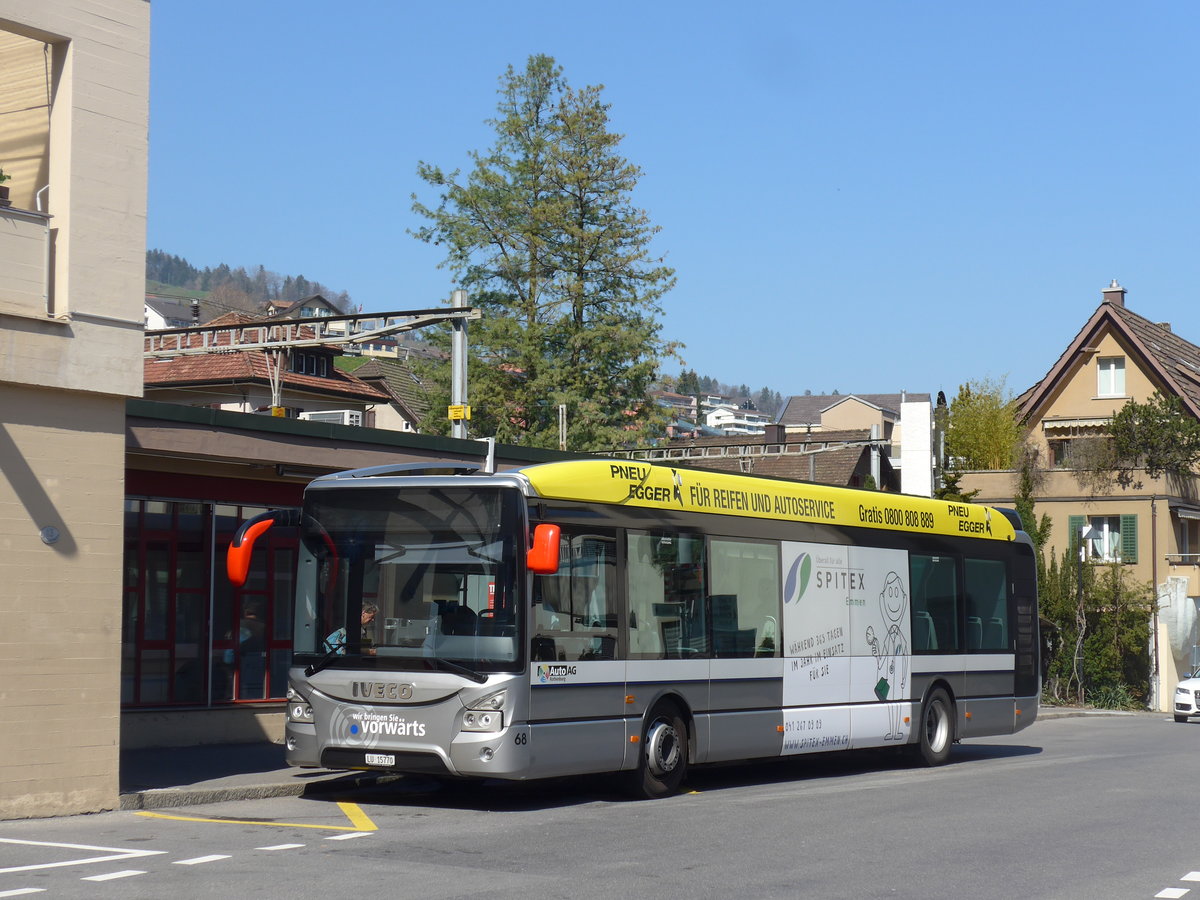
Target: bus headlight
[
  {"x": 482, "y": 720},
  {"x": 494, "y": 700},
  {"x": 485, "y": 713},
  {"x": 299, "y": 709}
]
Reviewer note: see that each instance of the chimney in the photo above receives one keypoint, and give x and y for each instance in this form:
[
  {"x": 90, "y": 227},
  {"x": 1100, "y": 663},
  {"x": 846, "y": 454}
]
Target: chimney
[
  {"x": 775, "y": 434},
  {"x": 1165, "y": 326},
  {"x": 1114, "y": 294}
]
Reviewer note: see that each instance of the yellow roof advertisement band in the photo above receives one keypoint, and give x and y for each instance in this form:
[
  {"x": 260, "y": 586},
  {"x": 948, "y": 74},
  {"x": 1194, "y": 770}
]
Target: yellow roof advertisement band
[{"x": 630, "y": 483}]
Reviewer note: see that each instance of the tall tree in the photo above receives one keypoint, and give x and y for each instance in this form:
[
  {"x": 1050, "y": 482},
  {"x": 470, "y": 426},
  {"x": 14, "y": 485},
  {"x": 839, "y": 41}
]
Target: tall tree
[
  {"x": 1158, "y": 436},
  {"x": 543, "y": 236},
  {"x": 982, "y": 430}
]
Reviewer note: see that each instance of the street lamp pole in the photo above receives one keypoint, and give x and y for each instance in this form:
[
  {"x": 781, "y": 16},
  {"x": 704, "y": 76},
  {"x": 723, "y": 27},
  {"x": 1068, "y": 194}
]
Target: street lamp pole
[{"x": 460, "y": 412}]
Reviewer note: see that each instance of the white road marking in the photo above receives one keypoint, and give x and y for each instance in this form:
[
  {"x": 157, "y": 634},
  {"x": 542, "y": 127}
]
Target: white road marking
[
  {"x": 281, "y": 847},
  {"x": 125, "y": 873},
  {"x": 21, "y": 892},
  {"x": 1172, "y": 893},
  {"x": 200, "y": 859},
  {"x": 112, "y": 854},
  {"x": 1191, "y": 876},
  {"x": 346, "y": 837}
]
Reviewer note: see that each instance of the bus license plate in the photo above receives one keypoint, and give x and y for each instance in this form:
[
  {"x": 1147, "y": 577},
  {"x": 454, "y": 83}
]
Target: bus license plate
[{"x": 381, "y": 759}]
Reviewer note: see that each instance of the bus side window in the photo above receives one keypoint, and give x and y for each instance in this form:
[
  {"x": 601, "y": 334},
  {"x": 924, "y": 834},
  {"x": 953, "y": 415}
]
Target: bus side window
[
  {"x": 936, "y": 608},
  {"x": 575, "y": 612},
  {"x": 745, "y": 604},
  {"x": 987, "y": 603},
  {"x": 668, "y": 614}
]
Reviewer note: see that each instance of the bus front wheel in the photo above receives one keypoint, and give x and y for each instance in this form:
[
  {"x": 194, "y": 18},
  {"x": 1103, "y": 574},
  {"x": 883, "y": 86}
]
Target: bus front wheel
[
  {"x": 936, "y": 730},
  {"x": 663, "y": 758}
]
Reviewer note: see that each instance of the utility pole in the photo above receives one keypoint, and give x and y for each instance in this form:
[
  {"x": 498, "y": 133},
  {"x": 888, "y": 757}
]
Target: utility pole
[{"x": 459, "y": 411}]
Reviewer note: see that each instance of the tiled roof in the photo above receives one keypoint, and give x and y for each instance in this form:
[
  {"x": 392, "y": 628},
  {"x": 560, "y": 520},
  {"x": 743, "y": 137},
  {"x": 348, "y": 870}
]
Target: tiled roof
[
  {"x": 230, "y": 367},
  {"x": 397, "y": 378},
  {"x": 836, "y": 466},
  {"x": 1171, "y": 361},
  {"x": 841, "y": 454},
  {"x": 806, "y": 410}
]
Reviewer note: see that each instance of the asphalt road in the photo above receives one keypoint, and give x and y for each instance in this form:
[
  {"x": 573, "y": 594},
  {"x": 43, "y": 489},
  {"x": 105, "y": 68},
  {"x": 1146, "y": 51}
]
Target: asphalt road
[{"x": 1071, "y": 808}]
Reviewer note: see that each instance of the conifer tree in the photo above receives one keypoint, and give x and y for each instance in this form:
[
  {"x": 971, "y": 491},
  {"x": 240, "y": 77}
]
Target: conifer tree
[{"x": 543, "y": 236}]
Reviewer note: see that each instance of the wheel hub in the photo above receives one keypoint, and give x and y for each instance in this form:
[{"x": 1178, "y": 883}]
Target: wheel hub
[{"x": 663, "y": 749}]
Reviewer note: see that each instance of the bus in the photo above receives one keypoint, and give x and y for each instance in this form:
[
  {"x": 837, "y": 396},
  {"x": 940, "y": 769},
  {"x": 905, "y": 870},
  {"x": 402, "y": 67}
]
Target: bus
[{"x": 605, "y": 615}]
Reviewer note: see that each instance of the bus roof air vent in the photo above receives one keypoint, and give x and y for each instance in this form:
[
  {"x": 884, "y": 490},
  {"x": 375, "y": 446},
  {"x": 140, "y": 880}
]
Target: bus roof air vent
[{"x": 420, "y": 468}]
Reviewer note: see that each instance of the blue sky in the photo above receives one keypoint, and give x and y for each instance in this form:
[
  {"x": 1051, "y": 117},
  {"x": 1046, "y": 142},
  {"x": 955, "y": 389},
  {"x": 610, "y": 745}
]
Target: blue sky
[{"x": 860, "y": 196}]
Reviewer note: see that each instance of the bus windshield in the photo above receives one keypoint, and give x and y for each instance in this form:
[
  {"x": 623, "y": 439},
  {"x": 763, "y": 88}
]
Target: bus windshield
[{"x": 407, "y": 577}]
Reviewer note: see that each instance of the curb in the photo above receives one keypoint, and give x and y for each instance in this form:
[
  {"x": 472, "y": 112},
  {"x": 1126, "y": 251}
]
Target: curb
[
  {"x": 169, "y": 798},
  {"x": 1073, "y": 713}
]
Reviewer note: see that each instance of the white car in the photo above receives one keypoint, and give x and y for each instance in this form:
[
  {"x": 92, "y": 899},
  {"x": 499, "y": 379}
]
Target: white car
[{"x": 1187, "y": 698}]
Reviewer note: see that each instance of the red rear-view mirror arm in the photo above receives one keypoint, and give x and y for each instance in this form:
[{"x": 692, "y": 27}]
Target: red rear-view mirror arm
[
  {"x": 237, "y": 559},
  {"x": 542, "y": 556}
]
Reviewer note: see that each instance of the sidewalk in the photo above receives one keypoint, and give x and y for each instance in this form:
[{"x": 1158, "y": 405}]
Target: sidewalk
[
  {"x": 165, "y": 777},
  {"x": 214, "y": 773}
]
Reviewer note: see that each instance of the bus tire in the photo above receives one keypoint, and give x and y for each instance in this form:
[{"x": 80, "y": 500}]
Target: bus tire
[
  {"x": 663, "y": 757},
  {"x": 935, "y": 732}
]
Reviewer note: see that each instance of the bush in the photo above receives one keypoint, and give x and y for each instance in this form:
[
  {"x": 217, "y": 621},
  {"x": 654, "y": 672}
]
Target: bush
[{"x": 1113, "y": 696}]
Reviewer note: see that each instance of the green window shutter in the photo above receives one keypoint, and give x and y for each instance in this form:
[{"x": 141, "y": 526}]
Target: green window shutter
[
  {"x": 1129, "y": 541},
  {"x": 1074, "y": 527}
]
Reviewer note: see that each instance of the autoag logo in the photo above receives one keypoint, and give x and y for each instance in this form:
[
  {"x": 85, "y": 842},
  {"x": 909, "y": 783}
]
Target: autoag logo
[
  {"x": 798, "y": 576},
  {"x": 554, "y": 674}
]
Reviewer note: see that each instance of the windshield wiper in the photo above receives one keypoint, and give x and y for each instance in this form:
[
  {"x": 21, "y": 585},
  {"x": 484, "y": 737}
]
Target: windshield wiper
[
  {"x": 447, "y": 666},
  {"x": 313, "y": 668}
]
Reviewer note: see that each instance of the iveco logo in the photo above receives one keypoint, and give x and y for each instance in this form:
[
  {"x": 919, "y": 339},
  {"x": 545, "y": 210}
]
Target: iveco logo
[{"x": 381, "y": 690}]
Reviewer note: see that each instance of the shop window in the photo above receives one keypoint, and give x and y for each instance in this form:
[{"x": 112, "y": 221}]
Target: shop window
[{"x": 188, "y": 638}]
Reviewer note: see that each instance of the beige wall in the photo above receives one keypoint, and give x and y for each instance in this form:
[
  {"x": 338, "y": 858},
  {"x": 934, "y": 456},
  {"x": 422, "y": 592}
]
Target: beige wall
[
  {"x": 1076, "y": 396},
  {"x": 65, "y": 373},
  {"x": 63, "y": 467},
  {"x": 96, "y": 177},
  {"x": 849, "y": 414}
]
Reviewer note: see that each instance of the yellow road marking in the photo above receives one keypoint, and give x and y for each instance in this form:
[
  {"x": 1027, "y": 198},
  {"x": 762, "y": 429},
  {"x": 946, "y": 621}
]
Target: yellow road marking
[
  {"x": 357, "y": 817},
  {"x": 360, "y": 820}
]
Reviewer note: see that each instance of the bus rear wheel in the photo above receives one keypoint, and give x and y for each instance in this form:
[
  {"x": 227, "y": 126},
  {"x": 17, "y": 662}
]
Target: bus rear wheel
[
  {"x": 663, "y": 758},
  {"x": 936, "y": 730}
]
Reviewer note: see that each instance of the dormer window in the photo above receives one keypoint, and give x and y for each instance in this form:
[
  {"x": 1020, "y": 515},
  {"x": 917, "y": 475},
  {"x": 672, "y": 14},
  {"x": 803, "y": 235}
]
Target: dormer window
[
  {"x": 1110, "y": 376},
  {"x": 310, "y": 364}
]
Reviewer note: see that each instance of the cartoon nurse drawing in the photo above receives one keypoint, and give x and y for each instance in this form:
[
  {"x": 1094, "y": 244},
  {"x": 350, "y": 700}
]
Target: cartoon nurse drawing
[{"x": 891, "y": 658}]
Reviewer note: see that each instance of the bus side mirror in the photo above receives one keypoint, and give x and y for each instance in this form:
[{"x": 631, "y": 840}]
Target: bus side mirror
[
  {"x": 542, "y": 557},
  {"x": 237, "y": 559}
]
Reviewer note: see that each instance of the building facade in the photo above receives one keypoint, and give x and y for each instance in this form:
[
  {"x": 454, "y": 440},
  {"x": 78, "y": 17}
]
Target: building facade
[
  {"x": 74, "y": 87},
  {"x": 1150, "y": 526},
  {"x": 902, "y": 423}
]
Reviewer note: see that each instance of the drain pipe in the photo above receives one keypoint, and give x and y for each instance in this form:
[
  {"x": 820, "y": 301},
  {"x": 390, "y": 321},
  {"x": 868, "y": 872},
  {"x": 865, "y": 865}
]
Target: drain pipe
[{"x": 1156, "y": 670}]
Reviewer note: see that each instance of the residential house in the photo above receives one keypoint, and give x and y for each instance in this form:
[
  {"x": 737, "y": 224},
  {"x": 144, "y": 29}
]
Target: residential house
[
  {"x": 889, "y": 417},
  {"x": 163, "y": 311},
  {"x": 74, "y": 87},
  {"x": 733, "y": 419},
  {"x": 1152, "y": 526},
  {"x": 397, "y": 379},
  {"x": 312, "y": 307},
  {"x": 843, "y": 458},
  {"x": 310, "y": 384}
]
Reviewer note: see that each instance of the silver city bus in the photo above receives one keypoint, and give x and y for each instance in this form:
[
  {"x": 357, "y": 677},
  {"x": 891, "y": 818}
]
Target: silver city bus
[{"x": 614, "y": 616}]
